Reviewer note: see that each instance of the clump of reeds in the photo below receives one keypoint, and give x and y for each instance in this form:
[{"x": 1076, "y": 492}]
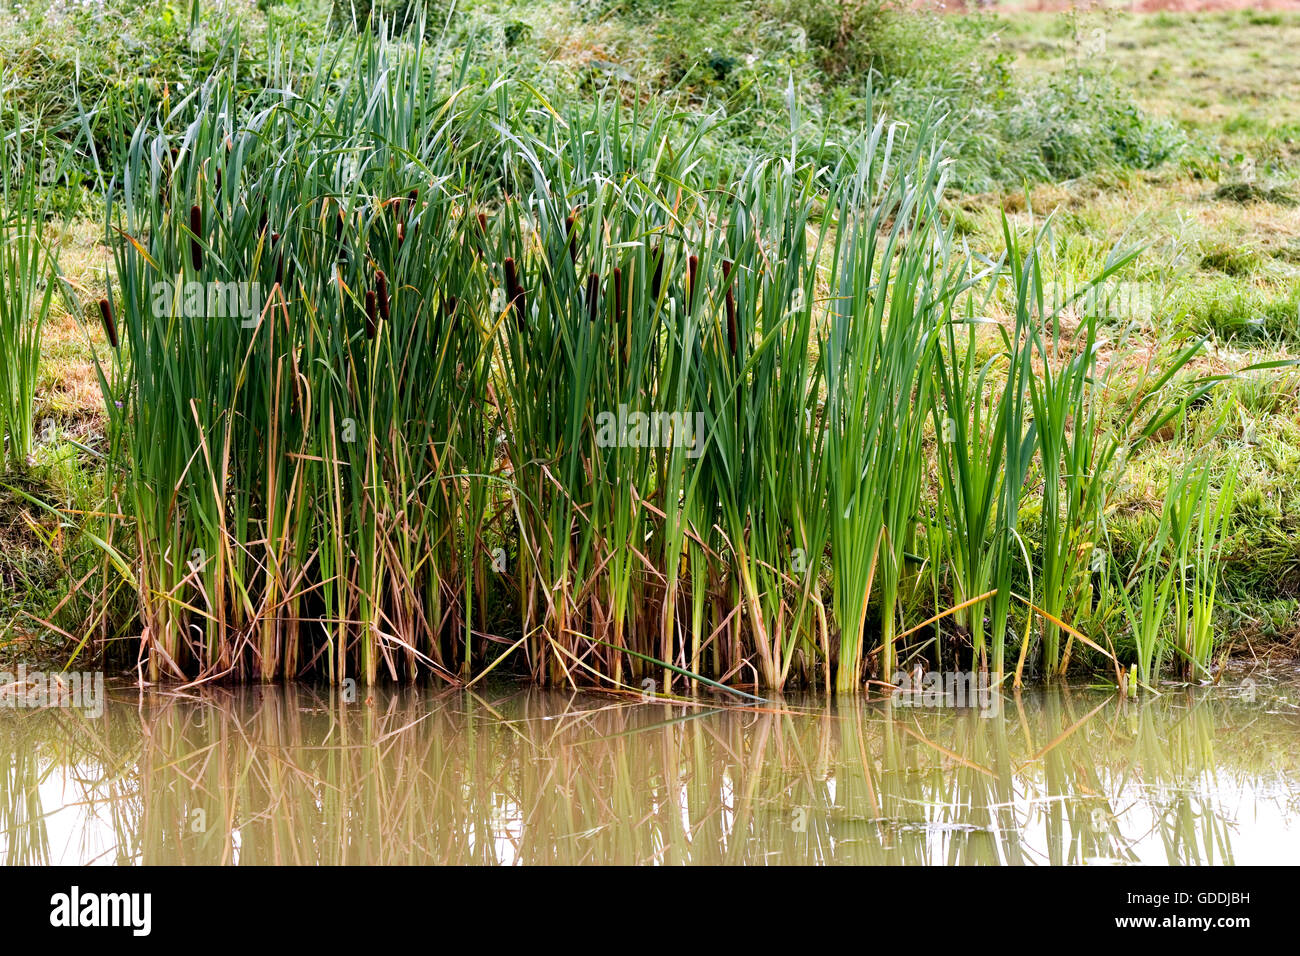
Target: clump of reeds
[{"x": 796, "y": 462}]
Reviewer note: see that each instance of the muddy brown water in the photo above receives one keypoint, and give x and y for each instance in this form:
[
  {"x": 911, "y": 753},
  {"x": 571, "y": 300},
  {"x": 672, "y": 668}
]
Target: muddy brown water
[{"x": 504, "y": 775}]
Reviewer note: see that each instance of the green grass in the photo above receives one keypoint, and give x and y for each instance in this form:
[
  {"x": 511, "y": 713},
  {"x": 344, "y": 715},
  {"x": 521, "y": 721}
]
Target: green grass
[{"x": 29, "y": 279}]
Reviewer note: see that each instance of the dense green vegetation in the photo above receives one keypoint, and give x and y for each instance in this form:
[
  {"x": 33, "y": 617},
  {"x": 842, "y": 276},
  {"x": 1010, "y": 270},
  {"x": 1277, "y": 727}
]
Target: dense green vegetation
[
  {"x": 467, "y": 246},
  {"x": 744, "y": 61}
]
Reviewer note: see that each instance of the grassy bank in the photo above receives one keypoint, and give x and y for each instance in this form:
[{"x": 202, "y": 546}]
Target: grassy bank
[{"x": 907, "y": 417}]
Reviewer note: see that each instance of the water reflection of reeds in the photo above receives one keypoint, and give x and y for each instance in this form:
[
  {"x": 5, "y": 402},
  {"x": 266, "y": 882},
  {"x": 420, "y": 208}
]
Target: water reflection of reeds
[{"x": 293, "y": 776}]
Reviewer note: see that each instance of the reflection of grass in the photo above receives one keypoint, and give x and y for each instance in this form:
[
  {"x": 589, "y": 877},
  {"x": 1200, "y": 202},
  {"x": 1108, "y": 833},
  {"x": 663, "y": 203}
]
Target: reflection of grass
[
  {"x": 273, "y": 776},
  {"x": 23, "y": 834}
]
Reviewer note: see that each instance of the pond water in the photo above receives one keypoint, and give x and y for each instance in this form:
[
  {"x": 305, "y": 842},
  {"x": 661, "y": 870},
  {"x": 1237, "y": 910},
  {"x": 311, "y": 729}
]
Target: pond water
[{"x": 507, "y": 774}]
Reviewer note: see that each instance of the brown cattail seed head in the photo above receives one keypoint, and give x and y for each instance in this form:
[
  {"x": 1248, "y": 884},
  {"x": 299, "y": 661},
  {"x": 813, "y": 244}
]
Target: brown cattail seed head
[
  {"x": 692, "y": 269},
  {"x": 381, "y": 289},
  {"x": 593, "y": 293},
  {"x": 618, "y": 294},
  {"x": 110, "y": 325},
  {"x": 196, "y": 227},
  {"x": 372, "y": 324},
  {"x": 515, "y": 291}
]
